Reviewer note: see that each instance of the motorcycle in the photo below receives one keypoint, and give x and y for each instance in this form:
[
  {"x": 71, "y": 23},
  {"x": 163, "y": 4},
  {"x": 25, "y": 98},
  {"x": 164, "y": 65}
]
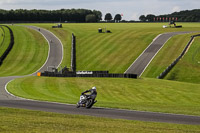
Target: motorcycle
[{"x": 85, "y": 101}]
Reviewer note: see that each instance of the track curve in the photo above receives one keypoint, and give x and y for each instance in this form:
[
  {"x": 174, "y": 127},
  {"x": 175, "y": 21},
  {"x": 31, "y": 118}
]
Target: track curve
[
  {"x": 55, "y": 56},
  {"x": 54, "y": 59}
]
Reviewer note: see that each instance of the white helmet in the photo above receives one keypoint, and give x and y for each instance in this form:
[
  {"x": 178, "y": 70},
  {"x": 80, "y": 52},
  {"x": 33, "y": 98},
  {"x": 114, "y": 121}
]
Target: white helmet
[{"x": 94, "y": 88}]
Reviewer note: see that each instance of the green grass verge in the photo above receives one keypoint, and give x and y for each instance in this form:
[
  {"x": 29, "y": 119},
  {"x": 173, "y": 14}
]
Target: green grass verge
[
  {"x": 4, "y": 40},
  {"x": 171, "y": 51},
  {"x": 114, "y": 52},
  {"x": 28, "y": 54},
  {"x": 1, "y": 36},
  {"x": 18, "y": 120},
  {"x": 188, "y": 68},
  {"x": 134, "y": 94}
]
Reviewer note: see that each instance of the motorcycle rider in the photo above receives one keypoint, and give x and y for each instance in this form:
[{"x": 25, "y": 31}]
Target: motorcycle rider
[{"x": 93, "y": 93}]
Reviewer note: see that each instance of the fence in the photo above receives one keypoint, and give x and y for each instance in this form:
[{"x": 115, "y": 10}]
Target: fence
[
  {"x": 9, "y": 47},
  {"x": 168, "y": 69}
]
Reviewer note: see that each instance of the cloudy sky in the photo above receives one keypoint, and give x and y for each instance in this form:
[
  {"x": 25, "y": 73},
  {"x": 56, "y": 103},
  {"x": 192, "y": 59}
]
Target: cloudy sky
[{"x": 131, "y": 9}]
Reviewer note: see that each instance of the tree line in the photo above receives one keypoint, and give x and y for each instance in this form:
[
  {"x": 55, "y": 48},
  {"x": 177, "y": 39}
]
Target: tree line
[
  {"x": 67, "y": 15},
  {"x": 182, "y": 16},
  {"x": 109, "y": 18}
]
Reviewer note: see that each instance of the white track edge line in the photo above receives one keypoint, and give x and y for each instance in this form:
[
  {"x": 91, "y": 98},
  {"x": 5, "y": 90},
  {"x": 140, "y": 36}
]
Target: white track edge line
[{"x": 143, "y": 51}]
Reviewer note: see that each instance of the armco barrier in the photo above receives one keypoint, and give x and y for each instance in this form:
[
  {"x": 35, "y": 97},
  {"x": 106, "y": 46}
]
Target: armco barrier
[
  {"x": 9, "y": 47},
  {"x": 168, "y": 69}
]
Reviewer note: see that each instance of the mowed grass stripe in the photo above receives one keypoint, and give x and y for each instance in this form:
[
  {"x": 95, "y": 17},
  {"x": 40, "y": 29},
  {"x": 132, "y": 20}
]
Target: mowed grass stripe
[
  {"x": 17, "y": 48},
  {"x": 1, "y": 36},
  {"x": 107, "y": 51},
  {"x": 29, "y": 53},
  {"x": 103, "y": 53},
  {"x": 88, "y": 49},
  {"x": 135, "y": 94},
  {"x": 4, "y": 40}
]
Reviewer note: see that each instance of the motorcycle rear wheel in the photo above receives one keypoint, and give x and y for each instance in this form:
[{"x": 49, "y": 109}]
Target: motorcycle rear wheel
[{"x": 89, "y": 103}]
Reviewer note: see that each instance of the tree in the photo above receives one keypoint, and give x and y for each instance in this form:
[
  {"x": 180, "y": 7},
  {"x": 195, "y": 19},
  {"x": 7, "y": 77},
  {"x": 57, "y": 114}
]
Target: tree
[
  {"x": 150, "y": 17},
  {"x": 142, "y": 18},
  {"x": 98, "y": 15},
  {"x": 90, "y": 18},
  {"x": 117, "y": 18},
  {"x": 108, "y": 17}
]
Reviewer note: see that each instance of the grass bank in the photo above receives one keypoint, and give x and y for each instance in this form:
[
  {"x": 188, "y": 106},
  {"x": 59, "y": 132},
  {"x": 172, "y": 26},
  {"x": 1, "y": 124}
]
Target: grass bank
[
  {"x": 134, "y": 94},
  {"x": 28, "y": 54},
  {"x": 4, "y": 40},
  {"x": 115, "y": 51},
  {"x": 17, "y": 120},
  {"x": 188, "y": 68},
  {"x": 1, "y": 34}
]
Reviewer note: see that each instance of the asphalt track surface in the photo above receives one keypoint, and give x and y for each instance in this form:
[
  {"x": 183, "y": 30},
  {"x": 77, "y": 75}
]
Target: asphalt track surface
[
  {"x": 142, "y": 62},
  {"x": 54, "y": 59}
]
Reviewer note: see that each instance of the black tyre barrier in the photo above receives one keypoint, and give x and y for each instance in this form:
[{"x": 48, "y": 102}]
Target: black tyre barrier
[
  {"x": 9, "y": 47},
  {"x": 169, "y": 68},
  {"x": 95, "y": 74}
]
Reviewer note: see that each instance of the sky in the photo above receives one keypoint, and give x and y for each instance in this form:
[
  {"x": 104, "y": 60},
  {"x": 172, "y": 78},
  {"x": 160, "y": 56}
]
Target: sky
[{"x": 131, "y": 9}]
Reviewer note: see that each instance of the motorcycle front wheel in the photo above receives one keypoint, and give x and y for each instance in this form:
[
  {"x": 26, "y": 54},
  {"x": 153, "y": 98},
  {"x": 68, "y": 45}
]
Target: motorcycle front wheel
[{"x": 77, "y": 105}]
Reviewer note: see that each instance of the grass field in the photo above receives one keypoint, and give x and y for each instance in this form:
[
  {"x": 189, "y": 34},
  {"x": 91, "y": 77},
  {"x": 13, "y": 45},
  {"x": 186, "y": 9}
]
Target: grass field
[
  {"x": 135, "y": 94},
  {"x": 4, "y": 40},
  {"x": 17, "y": 120},
  {"x": 188, "y": 69},
  {"x": 28, "y": 54},
  {"x": 114, "y": 52}
]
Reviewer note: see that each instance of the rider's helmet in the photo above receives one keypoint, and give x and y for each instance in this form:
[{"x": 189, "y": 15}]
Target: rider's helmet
[{"x": 94, "y": 88}]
